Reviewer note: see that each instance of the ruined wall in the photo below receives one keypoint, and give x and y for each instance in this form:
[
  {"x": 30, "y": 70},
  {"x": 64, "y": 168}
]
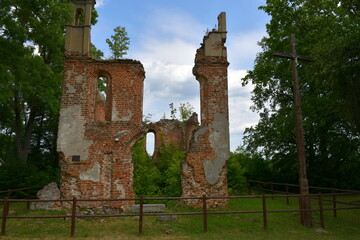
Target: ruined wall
[
  {"x": 171, "y": 131},
  {"x": 95, "y": 155},
  {"x": 204, "y": 171},
  {"x": 96, "y": 133},
  {"x": 96, "y": 136}
]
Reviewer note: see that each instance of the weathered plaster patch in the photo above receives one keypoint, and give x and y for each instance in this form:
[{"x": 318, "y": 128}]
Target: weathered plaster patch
[
  {"x": 71, "y": 137},
  {"x": 128, "y": 117},
  {"x": 115, "y": 114},
  {"x": 93, "y": 174},
  {"x": 219, "y": 140},
  {"x": 79, "y": 79},
  {"x": 120, "y": 188},
  {"x": 70, "y": 88},
  {"x": 200, "y": 132}
]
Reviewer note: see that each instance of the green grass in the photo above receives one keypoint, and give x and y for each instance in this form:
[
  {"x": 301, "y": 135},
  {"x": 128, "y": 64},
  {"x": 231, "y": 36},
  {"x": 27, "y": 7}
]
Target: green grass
[{"x": 231, "y": 226}]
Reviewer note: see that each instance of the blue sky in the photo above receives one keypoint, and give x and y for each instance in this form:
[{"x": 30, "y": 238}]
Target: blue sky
[{"x": 164, "y": 36}]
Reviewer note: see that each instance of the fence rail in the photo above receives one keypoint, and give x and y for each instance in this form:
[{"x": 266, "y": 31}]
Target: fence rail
[
  {"x": 287, "y": 185},
  {"x": 259, "y": 187},
  {"x": 205, "y": 211},
  {"x": 26, "y": 190}
]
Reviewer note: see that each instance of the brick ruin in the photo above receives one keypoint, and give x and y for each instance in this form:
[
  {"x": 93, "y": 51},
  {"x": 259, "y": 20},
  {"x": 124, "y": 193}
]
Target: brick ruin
[{"x": 98, "y": 128}]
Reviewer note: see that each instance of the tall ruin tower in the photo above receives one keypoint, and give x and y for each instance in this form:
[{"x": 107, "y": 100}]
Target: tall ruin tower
[
  {"x": 204, "y": 171},
  {"x": 97, "y": 127},
  {"x": 77, "y": 39}
]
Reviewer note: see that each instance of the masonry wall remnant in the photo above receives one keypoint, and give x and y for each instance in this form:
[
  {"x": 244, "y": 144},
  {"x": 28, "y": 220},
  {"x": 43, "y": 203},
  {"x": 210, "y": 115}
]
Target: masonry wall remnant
[
  {"x": 204, "y": 171},
  {"x": 101, "y": 119}
]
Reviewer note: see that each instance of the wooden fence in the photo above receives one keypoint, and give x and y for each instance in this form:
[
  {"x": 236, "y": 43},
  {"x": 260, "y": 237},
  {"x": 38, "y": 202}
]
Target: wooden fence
[
  {"x": 269, "y": 187},
  {"x": 205, "y": 211}
]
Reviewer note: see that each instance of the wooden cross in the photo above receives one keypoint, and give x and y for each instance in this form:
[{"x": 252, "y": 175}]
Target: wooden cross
[{"x": 299, "y": 129}]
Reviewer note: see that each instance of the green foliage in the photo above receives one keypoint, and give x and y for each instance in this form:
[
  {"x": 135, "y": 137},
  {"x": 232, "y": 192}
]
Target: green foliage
[
  {"x": 147, "y": 118},
  {"x": 17, "y": 174},
  {"x": 119, "y": 42},
  {"x": 243, "y": 166},
  {"x": 96, "y": 53},
  {"x": 147, "y": 177},
  {"x": 32, "y": 39},
  {"x": 236, "y": 179},
  {"x": 326, "y": 31},
  {"x": 185, "y": 111},
  {"x": 94, "y": 16},
  {"x": 160, "y": 178},
  {"x": 173, "y": 111},
  {"x": 168, "y": 164}
]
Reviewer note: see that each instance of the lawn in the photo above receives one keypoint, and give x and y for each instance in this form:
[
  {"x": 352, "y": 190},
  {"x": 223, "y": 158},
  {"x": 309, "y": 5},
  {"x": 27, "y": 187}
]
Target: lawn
[{"x": 229, "y": 226}]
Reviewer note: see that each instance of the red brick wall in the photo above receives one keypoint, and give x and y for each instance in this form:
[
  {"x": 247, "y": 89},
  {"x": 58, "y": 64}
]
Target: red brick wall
[
  {"x": 105, "y": 169},
  {"x": 204, "y": 171}
]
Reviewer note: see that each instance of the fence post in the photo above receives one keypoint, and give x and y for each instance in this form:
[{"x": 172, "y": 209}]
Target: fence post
[
  {"x": 73, "y": 217},
  {"x": 141, "y": 215},
  {"x": 321, "y": 211},
  {"x": 204, "y": 213},
  {"x": 28, "y": 203},
  {"x": 264, "y": 211},
  {"x": 334, "y": 205},
  {"x": 4, "y": 216},
  {"x": 287, "y": 193},
  {"x": 8, "y": 194}
]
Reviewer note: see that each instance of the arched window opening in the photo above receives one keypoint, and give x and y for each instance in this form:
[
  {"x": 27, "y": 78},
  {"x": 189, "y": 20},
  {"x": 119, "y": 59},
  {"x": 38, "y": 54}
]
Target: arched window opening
[
  {"x": 150, "y": 143},
  {"x": 102, "y": 87},
  {"x": 103, "y": 100},
  {"x": 79, "y": 17}
]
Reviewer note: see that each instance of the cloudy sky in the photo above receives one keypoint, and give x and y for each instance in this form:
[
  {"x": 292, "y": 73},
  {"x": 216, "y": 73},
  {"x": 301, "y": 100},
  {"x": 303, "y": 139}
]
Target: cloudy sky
[{"x": 164, "y": 36}]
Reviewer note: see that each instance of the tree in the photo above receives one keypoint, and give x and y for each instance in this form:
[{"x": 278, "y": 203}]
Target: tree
[
  {"x": 31, "y": 38},
  {"x": 161, "y": 178},
  {"x": 95, "y": 53},
  {"x": 326, "y": 31},
  {"x": 185, "y": 111},
  {"x": 119, "y": 42}
]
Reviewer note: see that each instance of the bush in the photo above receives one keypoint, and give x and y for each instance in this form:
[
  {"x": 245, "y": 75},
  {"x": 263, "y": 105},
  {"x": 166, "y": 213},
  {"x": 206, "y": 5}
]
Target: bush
[
  {"x": 157, "y": 179},
  {"x": 16, "y": 174}
]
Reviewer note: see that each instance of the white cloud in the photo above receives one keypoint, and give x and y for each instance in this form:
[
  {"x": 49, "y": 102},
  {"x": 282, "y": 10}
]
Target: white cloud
[
  {"x": 168, "y": 83},
  {"x": 174, "y": 24},
  {"x": 171, "y": 51},
  {"x": 242, "y": 48},
  {"x": 240, "y": 115},
  {"x": 100, "y": 3},
  {"x": 167, "y": 49}
]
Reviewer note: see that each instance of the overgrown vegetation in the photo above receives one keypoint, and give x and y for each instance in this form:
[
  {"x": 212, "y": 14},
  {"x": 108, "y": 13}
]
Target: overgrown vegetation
[
  {"x": 326, "y": 31},
  {"x": 119, "y": 43},
  {"x": 31, "y": 46},
  {"x": 157, "y": 178}
]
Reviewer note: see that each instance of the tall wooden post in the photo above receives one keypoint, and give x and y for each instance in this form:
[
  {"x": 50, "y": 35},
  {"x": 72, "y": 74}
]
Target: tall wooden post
[{"x": 299, "y": 131}]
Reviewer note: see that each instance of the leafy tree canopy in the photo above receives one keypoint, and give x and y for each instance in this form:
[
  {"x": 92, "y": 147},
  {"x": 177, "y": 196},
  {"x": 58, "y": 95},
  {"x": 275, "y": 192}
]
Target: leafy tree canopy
[
  {"x": 328, "y": 31},
  {"x": 31, "y": 38},
  {"x": 119, "y": 42}
]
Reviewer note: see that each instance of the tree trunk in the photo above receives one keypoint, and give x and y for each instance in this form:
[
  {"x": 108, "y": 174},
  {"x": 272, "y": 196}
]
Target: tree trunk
[{"x": 23, "y": 133}]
